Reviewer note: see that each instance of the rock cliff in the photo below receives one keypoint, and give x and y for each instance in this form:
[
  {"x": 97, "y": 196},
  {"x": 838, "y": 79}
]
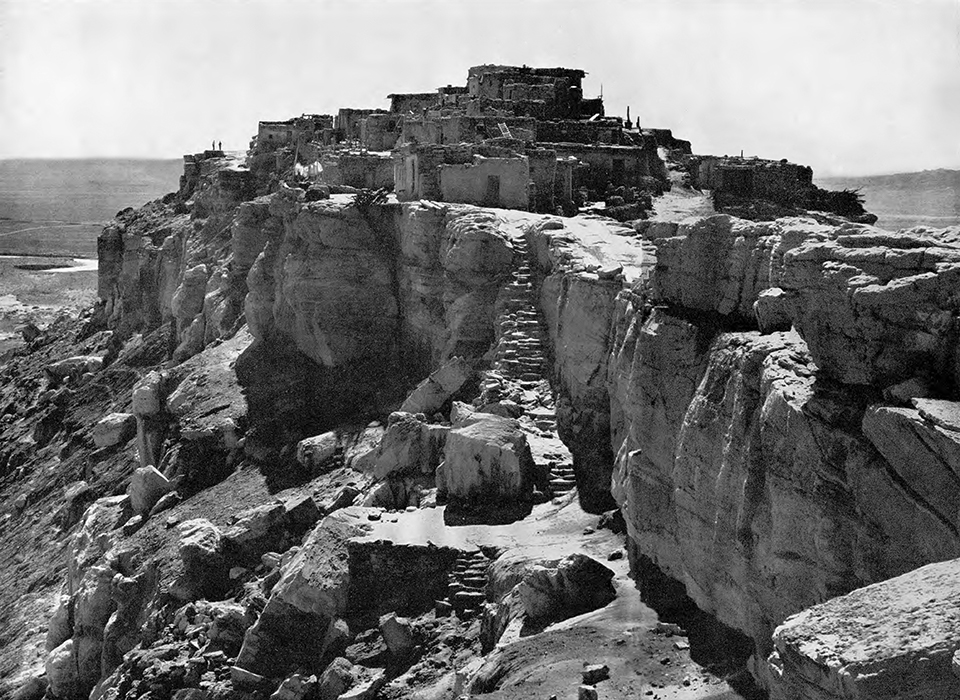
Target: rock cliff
[{"x": 770, "y": 405}]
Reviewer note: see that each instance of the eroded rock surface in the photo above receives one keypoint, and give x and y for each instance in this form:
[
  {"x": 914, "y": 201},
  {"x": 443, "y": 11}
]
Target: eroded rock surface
[
  {"x": 895, "y": 639},
  {"x": 771, "y": 404},
  {"x": 486, "y": 460}
]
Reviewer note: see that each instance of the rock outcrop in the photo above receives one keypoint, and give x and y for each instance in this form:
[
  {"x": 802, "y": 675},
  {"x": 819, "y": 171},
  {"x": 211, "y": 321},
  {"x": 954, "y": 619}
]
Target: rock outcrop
[
  {"x": 875, "y": 307},
  {"x": 575, "y": 585},
  {"x": 486, "y": 459},
  {"x": 896, "y": 639},
  {"x": 753, "y": 468},
  {"x": 773, "y": 406},
  {"x": 300, "y": 617},
  {"x": 437, "y": 389}
]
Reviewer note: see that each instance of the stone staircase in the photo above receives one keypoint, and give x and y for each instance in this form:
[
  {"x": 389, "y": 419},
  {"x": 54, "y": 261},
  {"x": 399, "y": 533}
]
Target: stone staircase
[
  {"x": 520, "y": 354},
  {"x": 521, "y": 361},
  {"x": 562, "y": 479},
  {"x": 467, "y": 584}
]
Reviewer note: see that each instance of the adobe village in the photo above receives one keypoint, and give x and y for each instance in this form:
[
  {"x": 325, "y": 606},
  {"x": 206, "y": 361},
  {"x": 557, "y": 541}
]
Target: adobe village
[{"x": 489, "y": 394}]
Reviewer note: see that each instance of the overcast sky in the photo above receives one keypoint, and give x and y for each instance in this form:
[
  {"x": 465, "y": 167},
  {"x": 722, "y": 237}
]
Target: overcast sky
[{"x": 851, "y": 87}]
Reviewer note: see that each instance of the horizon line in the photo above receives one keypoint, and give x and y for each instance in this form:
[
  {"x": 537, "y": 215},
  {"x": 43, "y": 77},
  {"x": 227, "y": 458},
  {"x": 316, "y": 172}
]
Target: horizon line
[{"x": 177, "y": 158}]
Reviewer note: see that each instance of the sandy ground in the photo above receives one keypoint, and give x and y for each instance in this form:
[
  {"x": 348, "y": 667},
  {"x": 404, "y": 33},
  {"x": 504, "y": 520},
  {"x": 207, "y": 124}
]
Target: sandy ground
[
  {"x": 68, "y": 285},
  {"x": 681, "y": 203}
]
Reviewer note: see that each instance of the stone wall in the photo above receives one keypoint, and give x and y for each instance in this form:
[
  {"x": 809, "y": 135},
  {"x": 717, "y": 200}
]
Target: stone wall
[
  {"x": 379, "y": 132},
  {"x": 366, "y": 170},
  {"x": 416, "y": 173},
  {"x": 602, "y": 131},
  {"x": 491, "y": 182},
  {"x": 462, "y": 128},
  {"x": 420, "y": 130},
  {"x": 615, "y": 165},
  {"x": 543, "y": 176},
  {"x": 414, "y": 102}
]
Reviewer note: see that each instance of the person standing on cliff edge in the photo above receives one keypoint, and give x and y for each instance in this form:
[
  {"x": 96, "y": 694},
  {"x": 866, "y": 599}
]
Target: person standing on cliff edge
[{"x": 219, "y": 145}]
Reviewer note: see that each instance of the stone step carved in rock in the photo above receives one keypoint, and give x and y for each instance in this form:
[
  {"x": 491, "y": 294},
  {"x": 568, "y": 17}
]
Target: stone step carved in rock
[{"x": 467, "y": 584}]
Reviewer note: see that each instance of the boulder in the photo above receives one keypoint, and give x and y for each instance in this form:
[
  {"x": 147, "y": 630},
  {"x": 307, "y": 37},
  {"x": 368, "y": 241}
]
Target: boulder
[
  {"x": 75, "y": 500},
  {"x": 201, "y": 551},
  {"x": 229, "y": 622},
  {"x": 595, "y": 673},
  {"x": 190, "y": 694},
  {"x": 295, "y": 687},
  {"x": 587, "y": 692},
  {"x": 61, "y": 667},
  {"x": 904, "y": 392},
  {"x": 367, "y": 687},
  {"x": 300, "y": 616},
  {"x": 772, "y": 310},
  {"x": 187, "y": 300},
  {"x": 345, "y": 497},
  {"x": 405, "y": 448},
  {"x": 434, "y": 391},
  {"x": 258, "y": 530},
  {"x": 114, "y": 429},
  {"x": 360, "y": 453},
  {"x": 59, "y": 628},
  {"x": 317, "y": 453},
  {"x": 148, "y": 395},
  {"x": 147, "y": 485},
  {"x": 943, "y": 414},
  {"x": 28, "y": 331},
  {"x": 166, "y": 502},
  {"x": 242, "y": 678},
  {"x": 397, "y": 634},
  {"x": 487, "y": 458},
  {"x": 894, "y": 639},
  {"x": 301, "y": 513},
  {"x": 74, "y": 367},
  {"x": 577, "y": 584},
  {"x": 460, "y": 412},
  {"x": 336, "y": 679}
]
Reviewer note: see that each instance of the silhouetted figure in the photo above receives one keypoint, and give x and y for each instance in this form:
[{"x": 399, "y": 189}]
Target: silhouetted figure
[
  {"x": 213, "y": 145},
  {"x": 219, "y": 145}
]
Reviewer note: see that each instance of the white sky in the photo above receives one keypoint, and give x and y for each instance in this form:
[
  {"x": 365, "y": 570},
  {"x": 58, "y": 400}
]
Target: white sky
[{"x": 851, "y": 87}]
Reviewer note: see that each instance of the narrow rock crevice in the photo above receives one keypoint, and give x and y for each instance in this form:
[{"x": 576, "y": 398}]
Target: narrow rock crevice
[{"x": 714, "y": 645}]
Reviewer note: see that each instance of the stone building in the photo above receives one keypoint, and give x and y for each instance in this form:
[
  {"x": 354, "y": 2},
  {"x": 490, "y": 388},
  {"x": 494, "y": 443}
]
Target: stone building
[
  {"x": 512, "y": 136},
  {"x": 414, "y": 102},
  {"x": 752, "y": 177},
  {"x": 606, "y": 164},
  {"x": 379, "y": 132},
  {"x": 348, "y": 122}
]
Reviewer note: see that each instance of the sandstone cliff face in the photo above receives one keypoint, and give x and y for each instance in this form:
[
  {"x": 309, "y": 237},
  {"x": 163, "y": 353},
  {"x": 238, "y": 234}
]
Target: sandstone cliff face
[
  {"x": 877, "y": 308},
  {"x": 745, "y": 469},
  {"x": 452, "y": 262},
  {"x": 583, "y": 268},
  {"x": 766, "y": 469},
  {"x": 330, "y": 285}
]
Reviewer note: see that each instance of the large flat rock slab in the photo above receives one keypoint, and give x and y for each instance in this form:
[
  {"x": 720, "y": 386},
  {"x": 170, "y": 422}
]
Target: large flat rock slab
[{"x": 894, "y": 639}]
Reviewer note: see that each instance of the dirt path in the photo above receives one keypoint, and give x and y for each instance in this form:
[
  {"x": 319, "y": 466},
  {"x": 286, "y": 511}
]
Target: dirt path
[{"x": 681, "y": 203}]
